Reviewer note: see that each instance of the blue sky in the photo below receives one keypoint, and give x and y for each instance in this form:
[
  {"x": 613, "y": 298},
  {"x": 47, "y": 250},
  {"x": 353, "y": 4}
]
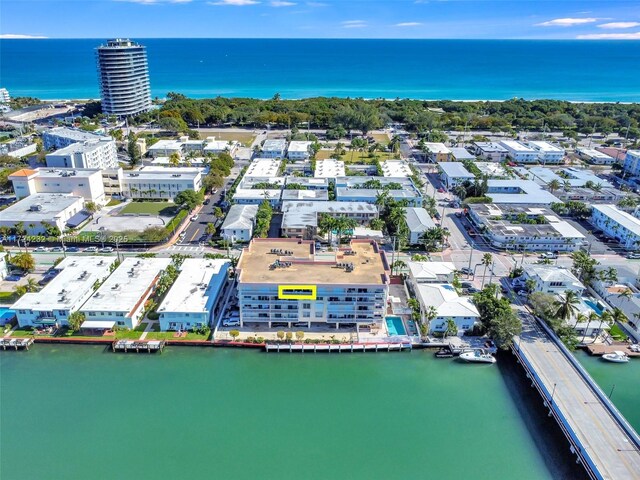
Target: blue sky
[{"x": 540, "y": 19}]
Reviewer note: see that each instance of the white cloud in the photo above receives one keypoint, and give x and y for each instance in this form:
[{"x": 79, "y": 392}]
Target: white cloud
[
  {"x": 234, "y": 3},
  {"x": 619, "y": 25},
  {"x": 354, "y": 24},
  {"x": 280, "y": 3},
  {"x": 6, "y": 36},
  {"x": 566, "y": 22},
  {"x": 610, "y": 36},
  {"x": 408, "y": 24}
]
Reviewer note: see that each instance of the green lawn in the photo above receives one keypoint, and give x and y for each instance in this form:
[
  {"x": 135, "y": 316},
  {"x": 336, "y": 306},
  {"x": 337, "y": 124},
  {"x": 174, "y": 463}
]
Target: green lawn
[
  {"x": 8, "y": 297},
  {"x": 129, "y": 334},
  {"x": 170, "y": 336},
  {"x": 113, "y": 202},
  {"x": 355, "y": 156},
  {"x": 245, "y": 138},
  {"x": 618, "y": 334},
  {"x": 382, "y": 138},
  {"x": 166, "y": 209},
  {"x": 22, "y": 332}
]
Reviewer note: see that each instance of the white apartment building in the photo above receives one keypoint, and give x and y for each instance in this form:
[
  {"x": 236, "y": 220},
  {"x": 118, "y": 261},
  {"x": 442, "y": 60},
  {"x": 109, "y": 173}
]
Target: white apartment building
[
  {"x": 448, "y": 305},
  {"x": 164, "y": 148},
  {"x": 239, "y": 223},
  {"x": 195, "y": 295},
  {"x": 300, "y": 218},
  {"x": 88, "y": 154},
  {"x": 519, "y": 152},
  {"x": 60, "y": 137},
  {"x": 160, "y": 183},
  {"x": 548, "y": 152},
  {"x": 553, "y": 279},
  {"x": 283, "y": 283},
  {"x": 632, "y": 163},
  {"x": 329, "y": 168},
  {"x": 491, "y": 151},
  {"x": 454, "y": 173},
  {"x": 124, "y": 77},
  {"x": 459, "y": 154},
  {"x": 502, "y": 227},
  {"x": 274, "y": 148},
  {"x": 431, "y": 272},
  {"x": 64, "y": 294},
  {"x": 217, "y": 147},
  {"x": 120, "y": 299},
  {"x": 85, "y": 183},
  {"x": 4, "y": 95},
  {"x": 418, "y": 222},
  {"x": 299, "y": 150},
  {"x": 255, "y": 196},
  {"x": 616, "y": 224},
  {"x": 40, "y": 210},
  {"x": 367, "y": 189},
  {"x": 263, "y": 167},
  {"x": 594, "y": 156},
  {"x": 437, "y": 152},
  {"x": 396, "y": 168}
]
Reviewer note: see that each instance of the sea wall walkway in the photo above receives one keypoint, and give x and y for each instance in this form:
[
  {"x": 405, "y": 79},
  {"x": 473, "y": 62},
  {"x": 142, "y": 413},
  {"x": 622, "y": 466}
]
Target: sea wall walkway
[{"x": 604, "y": 442}]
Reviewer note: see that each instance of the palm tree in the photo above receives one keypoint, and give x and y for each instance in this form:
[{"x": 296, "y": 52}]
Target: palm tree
[
  {"x": 580, "y": 318},
  {"x": 626, "y": 294},
  {"x": 604, "y": 318},
  {"x": 397, "y": 265},
  {"x": 32, "y": 285},
  {"x": 553, "y": 185},
  {"x": 592, "y": 317},
  {"x": 430, "y": 315},
  {"x": 326, "y": 224},
  {"x": 451, "y": 327},
  {"x": 487, "y": 259},
  {"x": 566, "y": 185},
  {"x": 567, "y": 305}
]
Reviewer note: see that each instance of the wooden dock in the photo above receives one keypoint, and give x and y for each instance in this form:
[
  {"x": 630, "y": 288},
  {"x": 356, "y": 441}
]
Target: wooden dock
[
  {"x": 138, "y": 346},
  {"x": 600, "y": 349},
  {"x": 339, "y": 348},
  {"x": 15, "y": 343}
]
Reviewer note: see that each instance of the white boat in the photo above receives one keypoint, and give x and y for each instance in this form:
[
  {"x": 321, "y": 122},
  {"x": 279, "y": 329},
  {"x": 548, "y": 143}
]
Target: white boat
[
  {"x": 616, "y": 357},
  {"x": 477, "y": 356}
]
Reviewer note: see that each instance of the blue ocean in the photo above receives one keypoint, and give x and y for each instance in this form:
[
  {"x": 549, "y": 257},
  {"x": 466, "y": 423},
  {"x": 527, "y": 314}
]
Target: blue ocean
[{"x": 419, "y": 69}]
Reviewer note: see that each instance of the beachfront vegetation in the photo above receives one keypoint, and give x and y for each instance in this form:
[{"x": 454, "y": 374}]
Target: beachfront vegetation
[
  {"x": 497, "y": 316},
  {"x": 342, "y": 115}
]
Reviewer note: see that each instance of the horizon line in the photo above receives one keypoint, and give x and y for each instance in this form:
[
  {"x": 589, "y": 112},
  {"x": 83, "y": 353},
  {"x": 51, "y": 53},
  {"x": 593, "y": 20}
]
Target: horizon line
[{"x": 324, "y": 38}]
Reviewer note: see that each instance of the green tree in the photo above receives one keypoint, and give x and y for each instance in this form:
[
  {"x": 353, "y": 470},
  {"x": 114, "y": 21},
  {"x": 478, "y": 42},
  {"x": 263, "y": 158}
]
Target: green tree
[
  {"x": 133, "y": 150},
  {"x": 174, "y": 159},
  {"x": 234, "y": 334},
  {"x": 487, "y": 260},
  {"x": 299, "y": 335},
  {"x": 567, "y": 305},
  {"x": 210, "y": 229},
  {"x": 452, "y": 328},
  {"x": 503, "y": 327},
  {"x": 75, "y": 321},
  {"x": 189, "y": 199},
  {"x": 32, "y": 285},
  {"x": 280, "y": 335},
  {"x": 24, "y": 260}
]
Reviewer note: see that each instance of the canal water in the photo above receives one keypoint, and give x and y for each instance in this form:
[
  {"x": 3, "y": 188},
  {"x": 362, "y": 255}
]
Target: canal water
[
  {"x": 78, "y": 412},
  {"x": 620, "y": 380}
]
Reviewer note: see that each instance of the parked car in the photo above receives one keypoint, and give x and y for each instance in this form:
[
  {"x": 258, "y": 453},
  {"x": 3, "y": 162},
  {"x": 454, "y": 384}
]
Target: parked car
[
  {"x": 550, "y": 255},
  {"x": 228, "y": 322},
  {"x": 466, "y": 285},
  {"x": 91, "y": 249},
  {"x": 195, "y": 217},
  {"x": 523, "y": 293},
  {"x": 441, "y": 190},
  {"x": 13, "y": 278},
  {"x": 57, "y": 249},
  {"x": 41, "y": 249},
  {"x": 106, "y": 250},
  {"x": 73, "y": 249},
  {"x": 458, "y": 214},
  {"x": 633, "y": 256},
  {"x": 466, "y": 271},
  {"x": 207, "y": 201}
]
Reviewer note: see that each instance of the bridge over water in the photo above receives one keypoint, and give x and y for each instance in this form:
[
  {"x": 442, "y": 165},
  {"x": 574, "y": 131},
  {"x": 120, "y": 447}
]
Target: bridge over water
[{"x": 603, "y": 441}]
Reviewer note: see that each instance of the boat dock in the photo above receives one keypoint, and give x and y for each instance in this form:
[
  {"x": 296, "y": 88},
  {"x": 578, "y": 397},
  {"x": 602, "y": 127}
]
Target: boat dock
[
  {"x": 16, "y": 343},
  {"x": 339, "y": 348},
  {"x": 138, "y": 346},
  {"x": 600, "y": 349},
  {"x": 603, "y": 441}
]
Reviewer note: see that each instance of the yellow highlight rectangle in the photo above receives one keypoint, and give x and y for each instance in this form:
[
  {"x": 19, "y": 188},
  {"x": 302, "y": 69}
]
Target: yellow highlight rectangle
[{"x": 297, "y": 292}]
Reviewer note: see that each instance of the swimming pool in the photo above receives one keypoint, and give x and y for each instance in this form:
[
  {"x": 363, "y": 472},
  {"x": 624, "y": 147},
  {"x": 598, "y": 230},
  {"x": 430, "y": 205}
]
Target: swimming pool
[
  {"x": 395, "y": 326},
  {"x": 593, "y": 305},
  {"x": 6, "y": 314}
]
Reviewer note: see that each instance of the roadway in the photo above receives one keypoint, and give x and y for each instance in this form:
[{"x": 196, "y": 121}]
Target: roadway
[{"x": 605, "y": 442}]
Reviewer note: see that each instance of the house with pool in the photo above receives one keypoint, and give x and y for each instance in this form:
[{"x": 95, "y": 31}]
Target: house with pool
[{"x": 449, "y": 305}]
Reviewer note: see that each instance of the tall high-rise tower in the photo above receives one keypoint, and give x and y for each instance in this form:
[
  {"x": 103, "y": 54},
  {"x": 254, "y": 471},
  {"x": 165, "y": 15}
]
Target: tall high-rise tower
[{"x": 124, "y": 77}]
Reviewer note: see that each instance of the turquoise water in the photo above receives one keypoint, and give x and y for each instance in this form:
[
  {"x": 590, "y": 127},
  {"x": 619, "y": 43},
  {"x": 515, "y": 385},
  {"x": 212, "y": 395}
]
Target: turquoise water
[
  {"x": 621, "y": 380},
  {"x": 426, "y": 69},
  {"x": 6, "y": 314},
  {"x": 593, "y": 306},
  {"x": 80, "y": 412},
  {"x": 395, "y": 326}
]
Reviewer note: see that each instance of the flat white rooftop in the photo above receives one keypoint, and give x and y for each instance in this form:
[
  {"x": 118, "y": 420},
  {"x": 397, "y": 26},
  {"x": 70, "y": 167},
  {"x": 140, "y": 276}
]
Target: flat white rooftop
[
  {"x": 274, "y": 145},
  {"x": 263, "y": 167},
  {"x": 455, "y": 170},
  {"x": 490, "y": 147},
  {"x": 593, "y": 153},
  {"x": 437, "y": 147},
  {"x": 166, "y": 145},
  {"x": 330, "y": 168},
  {"x": 74, "y": 134},
  {"x": 162, "y": 173},
  {"x": 396, "y": 168},
  {"x": 516, "y": 146},
  {"x": 64, "y": 291},
  {"x": 83, "y": 146},
  {"x": 219, "y": 145},
  {"x": 256, "y": 193},
  {"x": 460, "y": 153},
  {"x": 192, "y": 289},
  {"x": 126, "y": 286},
  {"x": 545, "y": 147},
  {"x": 299, "y": 146},
  {"x": 38, "y": 208}
]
